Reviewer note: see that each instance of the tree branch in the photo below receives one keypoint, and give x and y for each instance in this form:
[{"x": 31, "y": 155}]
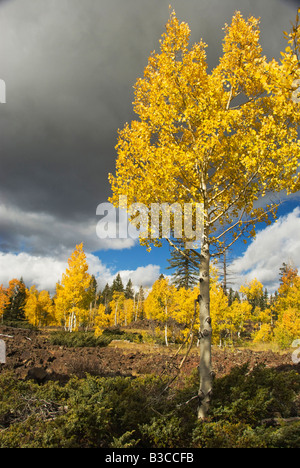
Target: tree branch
[
  {"x": 246, "y": 224},
  {"x": 235, "y": 200},
  {"x": 183, "y": 253}
]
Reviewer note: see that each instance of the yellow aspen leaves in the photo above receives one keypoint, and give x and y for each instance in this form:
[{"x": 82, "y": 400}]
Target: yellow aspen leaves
[
  {"x": 3, "y": 299},
  {"x": 39, "y": 308},
  {"x": 222, "y": 138},
  {"x": 73, "y": 291}
]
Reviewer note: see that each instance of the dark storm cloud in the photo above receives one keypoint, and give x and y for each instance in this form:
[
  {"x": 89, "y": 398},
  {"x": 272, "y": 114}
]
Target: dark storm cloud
[
  {"x": 295, "y": 3},
  {"x": 69, "y": 67}
]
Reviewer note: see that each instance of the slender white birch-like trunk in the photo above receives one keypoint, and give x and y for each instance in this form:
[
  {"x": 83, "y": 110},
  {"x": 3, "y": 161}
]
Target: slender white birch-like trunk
[
  {"x": 166, "y": 326},
  {"x": 205, "y": 334},
  {"x": 116, "y": 315}
]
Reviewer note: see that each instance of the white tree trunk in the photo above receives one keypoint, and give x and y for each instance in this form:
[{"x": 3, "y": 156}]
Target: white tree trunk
[
  {"x": 205, "y": 335},
  {"x": 71, "y": 321},
  {"x": 166, "y": 326},
  {"x": 116, "y": 315}
]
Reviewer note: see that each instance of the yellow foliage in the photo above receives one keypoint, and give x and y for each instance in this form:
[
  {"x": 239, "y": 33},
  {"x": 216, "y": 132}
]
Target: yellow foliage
[
  {"x": 287, "y": 308},
  {"x": 290, "y": 321},
  {"x": 160, "y": 301},
  {"x": 120, "y": 312},
  {"x": 39, "y": 308},
  {"x": 72, "y": 295},
  {"x": 103, "y": 320},
  {"x": 253, "y": 290},
  {"x": 117, "y": 306},
  {"x": 218, "y": 310},
  {"x": 3, "y": 299},
  {"x": 184, "y": 306},
  {"x": 264, "y": 334},
  {"x": 227, "y": 320},
  {"x": 194, "y": 142},
  {"x": 288, "y": 278}
]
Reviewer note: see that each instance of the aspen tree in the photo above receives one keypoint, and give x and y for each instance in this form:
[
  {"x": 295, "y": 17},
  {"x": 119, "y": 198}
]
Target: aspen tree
[
  {"x": 287, "y": 308},
  {"x": 39, "y": 310},
  {"x": 3, "y": 299},
  {"x": 159, "y": 303},
  {"x": 73, "y": 292},
  {"x": 224, "y": 138}
]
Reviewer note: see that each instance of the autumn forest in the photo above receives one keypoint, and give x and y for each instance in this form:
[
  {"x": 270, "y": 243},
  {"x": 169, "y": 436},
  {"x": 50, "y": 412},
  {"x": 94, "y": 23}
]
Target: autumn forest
[
  {"x": 247, "y": 315},
  {"x": 189, "y": 361}
]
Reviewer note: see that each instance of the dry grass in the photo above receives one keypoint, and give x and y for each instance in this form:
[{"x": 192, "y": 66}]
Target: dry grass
[
  {"x": 265, "y": 347},
  {"x": 145, "y": 348}
]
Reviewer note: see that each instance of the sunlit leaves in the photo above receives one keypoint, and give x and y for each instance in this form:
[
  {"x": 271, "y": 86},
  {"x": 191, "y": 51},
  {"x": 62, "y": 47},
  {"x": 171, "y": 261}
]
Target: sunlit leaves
[
  {"x": 39, "y": 308},
  {"x": 287, "y": 309},
  {"x": 3, "y": 299},
  {"x": 224, "y": 138},
  {"x": 73, "y": 292}
]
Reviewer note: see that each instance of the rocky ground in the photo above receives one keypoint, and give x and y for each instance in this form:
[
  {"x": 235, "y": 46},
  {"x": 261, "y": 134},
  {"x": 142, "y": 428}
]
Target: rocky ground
[{"x": 30, "y": 356}]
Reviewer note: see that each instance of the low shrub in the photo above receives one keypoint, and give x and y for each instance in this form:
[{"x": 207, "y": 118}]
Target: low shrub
[
  {"x": 78, "y": 339},
  {"x": 88, "y": 339},
  {"x": 123, "y": 412},
  {"x": 19, "y": 324},
  {"x": 250, "y": 397}
]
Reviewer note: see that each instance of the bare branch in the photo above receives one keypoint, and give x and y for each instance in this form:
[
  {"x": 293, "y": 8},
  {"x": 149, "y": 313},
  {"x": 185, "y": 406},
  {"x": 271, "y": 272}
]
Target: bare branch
[
  {"x": 183, "y": 253},
  {"x": 235, "y": 200},
  {"x": 246, "y": 224},
  {"x": 231, "y": 227},
  {"x": 227, "y": 247}
]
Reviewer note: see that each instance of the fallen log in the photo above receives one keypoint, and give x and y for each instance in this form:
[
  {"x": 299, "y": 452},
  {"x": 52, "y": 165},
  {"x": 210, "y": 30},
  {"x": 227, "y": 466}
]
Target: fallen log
[{"x": 279, "y": 421}]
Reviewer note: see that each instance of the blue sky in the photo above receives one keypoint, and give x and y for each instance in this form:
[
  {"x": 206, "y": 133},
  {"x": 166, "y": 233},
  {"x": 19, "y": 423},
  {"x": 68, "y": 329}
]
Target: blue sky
[{"x": 275, "y": 244}]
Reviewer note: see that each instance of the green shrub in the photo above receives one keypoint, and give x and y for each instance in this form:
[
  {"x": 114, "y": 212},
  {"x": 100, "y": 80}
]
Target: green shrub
[
  {"x": 223, "y": 434},
  {"x": 20, "y": 324},
  {"x": 286, "y": 436},
  {"x": 127, "y": 412},
  {"x": 250, "y": 397},
  {"x": 88, "y": 339},
  {"x": 78, "y": 339},
  {"x": 283, "y": 337},
  {"x": 117, "y": 334},
  {"x": 165, "y": 432}
]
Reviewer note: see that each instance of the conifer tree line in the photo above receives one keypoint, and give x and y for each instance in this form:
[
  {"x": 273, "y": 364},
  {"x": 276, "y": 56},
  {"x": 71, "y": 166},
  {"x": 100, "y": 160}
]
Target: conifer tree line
[{"x": 250, "y": 314}]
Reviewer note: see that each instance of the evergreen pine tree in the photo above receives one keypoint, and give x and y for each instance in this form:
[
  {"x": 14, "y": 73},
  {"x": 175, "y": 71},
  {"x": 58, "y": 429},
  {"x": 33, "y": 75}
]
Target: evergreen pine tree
[
  {"x": 233, "y": 296},
  {"x": 105, "y": 296},
  {"x": 186, "y": 267},
  {"x": 139, "y": 304},
  {"x": 129, "y": 292},
  {"x": 265, "y": 300},
  {"x": 14, "y": 310},
  {"x": 93, "y": 290},
  {"x": 236, "y": 296},
  {"x": 117, "y": 285},
  {"x": 283, "y": 271},
  {"x": 230, "y": 297}
]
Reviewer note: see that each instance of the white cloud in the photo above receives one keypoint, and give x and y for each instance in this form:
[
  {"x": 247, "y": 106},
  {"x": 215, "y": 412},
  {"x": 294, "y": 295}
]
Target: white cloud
[
  {"x": 143, "y": 276},
  {"x": 45, "y": 272},
  {"x": 272, "y": 247},
  {"x": 40, "y": 233},
  {"x": 48, "y": 242}
]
